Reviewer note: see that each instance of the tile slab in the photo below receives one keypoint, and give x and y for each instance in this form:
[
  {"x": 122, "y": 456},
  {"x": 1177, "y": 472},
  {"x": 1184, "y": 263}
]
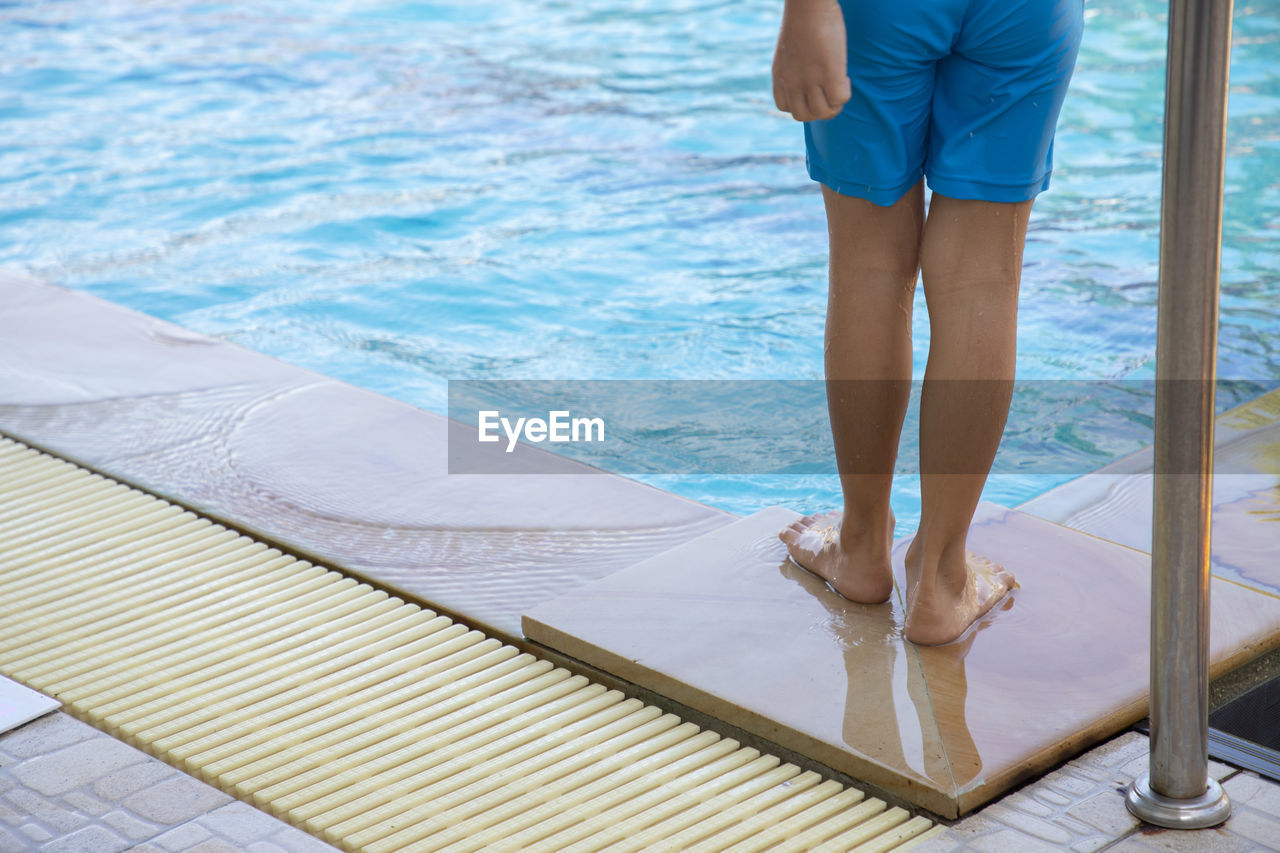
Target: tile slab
[
  {"x": 727, "y": 625},
  {"x": 1115, "y": 502},
  {"x": 343, "y": 475}
]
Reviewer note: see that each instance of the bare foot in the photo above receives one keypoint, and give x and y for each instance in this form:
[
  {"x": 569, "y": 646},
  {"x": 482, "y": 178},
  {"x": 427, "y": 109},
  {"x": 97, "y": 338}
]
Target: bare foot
[
  {"x": 810, "y": 78},
  {"x": 935, "y": 616},
  {"x": 856, "y": 568}
]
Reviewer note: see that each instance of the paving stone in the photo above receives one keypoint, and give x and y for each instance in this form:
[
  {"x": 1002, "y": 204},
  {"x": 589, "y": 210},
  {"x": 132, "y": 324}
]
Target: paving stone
[
  {"x": 86, "y": 803},
  {"x": 129, "y": 826},
  {"x": 35, "y": 832},
  {"x": 182, "y": 837},
  {"x": 1069, "y": 784},
  {"x": 1219, "y": 771},
  {"x": 1132, "y": 844},
  {"x": 9, "y": 816},
  {"x": 1023, "y": 801},
  {"x": 944, "y": 843},
  {"x": 1260, "y": 794},
  {"x": 1107, "y": 812},
  {"x": 1090, "y": 773},
  {"x": 175, "y": 800},
  {"x": 1038, "y": 827},
  {"x": 1075, "y": 827},
  {"x": 1218, "y": 840},
  {"x": 1090, "y": 845},
  {"x": 1117, "y": 751},
  {"x": 1257, "y": 826},
  {"x": 47, "y": 734},
  {"x": 1049, "y": 796},
  {"x": 1134, "y": 768},
  {"x": 10, "y": 843},
  {"x": 214, "y": 845},
  {"x": 75, "y": 765},
  {"x": 51, "y": 814},
  {"x": 145, "y": 848},
  {"x": 265, "y": 847},
  {"x": 119, "y": 784},
  {"x": 1245, "y": 785},
  {"x": 240, "y": 823},
  {"x": 1009, "y": 840},
  {"x": 91, "y": 839},
  {"x": 973, "y": 826}
]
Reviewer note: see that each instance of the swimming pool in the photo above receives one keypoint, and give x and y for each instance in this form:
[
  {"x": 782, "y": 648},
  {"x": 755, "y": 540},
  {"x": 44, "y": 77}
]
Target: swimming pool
[{"x": 401, "y": 193}]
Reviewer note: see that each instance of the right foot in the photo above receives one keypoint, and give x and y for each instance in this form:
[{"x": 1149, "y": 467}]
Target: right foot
[
  {"x": 935, "y": 618},
  {"x": 860, "y": 571}
]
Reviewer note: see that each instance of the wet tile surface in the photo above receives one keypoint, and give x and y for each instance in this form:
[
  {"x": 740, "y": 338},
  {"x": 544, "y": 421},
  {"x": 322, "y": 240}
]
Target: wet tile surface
[
  {"x": 1116, "y": 501},
  {"x": 727, "y": 625},
  {"x": 346, "y": 476}
]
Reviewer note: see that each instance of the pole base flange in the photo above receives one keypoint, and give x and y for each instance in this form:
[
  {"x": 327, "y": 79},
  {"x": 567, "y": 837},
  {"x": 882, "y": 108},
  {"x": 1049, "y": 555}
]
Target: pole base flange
[{"x": 1209, "y": 809}]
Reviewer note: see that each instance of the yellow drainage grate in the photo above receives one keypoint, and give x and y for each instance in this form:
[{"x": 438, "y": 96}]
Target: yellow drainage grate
[{"x": 367, "y": 720}]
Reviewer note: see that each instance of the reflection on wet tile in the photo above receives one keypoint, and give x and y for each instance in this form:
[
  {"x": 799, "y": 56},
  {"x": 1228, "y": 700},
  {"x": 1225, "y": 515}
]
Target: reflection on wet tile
[
  {"x": 1246, "y": 539},
  {"x": 1115, "y": 501},
  {"x": 346, "y": 476},
  {"x": 727, "y": 625}
]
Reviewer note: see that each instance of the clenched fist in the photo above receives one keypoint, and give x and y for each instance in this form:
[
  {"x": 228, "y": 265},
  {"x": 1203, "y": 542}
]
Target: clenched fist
[{"x": 809, "y": 78}]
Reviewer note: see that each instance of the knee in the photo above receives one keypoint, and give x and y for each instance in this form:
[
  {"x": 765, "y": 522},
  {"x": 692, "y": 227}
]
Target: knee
[
  {"x": 950, "y": 285},
  {"x": 973, "y": 247},
  {"x": 890, "y": 266}
]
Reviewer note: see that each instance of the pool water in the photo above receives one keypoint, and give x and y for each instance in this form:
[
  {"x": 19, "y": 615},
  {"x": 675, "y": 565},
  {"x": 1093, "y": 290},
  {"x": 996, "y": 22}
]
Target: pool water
[{"x": 402, "y": 193}]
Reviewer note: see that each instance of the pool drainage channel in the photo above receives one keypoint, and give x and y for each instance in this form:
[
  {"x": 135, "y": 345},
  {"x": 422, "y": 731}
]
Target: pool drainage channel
[{"x": 369, "y": 721}]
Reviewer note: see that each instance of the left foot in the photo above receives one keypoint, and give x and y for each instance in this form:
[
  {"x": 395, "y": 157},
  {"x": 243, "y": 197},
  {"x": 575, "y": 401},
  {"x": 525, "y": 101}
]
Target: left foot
[{"x": 857, "y": 567}]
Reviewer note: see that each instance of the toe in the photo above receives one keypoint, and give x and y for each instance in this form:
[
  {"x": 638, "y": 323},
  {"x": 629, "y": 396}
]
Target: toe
[
  {"x": 1007, "y": 579},
  {"x": 797, "y": 527}
]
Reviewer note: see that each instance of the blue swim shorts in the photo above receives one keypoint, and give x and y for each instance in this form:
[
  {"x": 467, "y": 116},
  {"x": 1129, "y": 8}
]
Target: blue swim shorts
[{"x": 964, "y": 92}]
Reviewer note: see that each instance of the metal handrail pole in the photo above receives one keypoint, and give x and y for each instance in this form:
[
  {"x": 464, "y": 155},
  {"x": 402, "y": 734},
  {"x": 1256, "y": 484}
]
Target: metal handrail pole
[{"x": 1177, "y": 791}]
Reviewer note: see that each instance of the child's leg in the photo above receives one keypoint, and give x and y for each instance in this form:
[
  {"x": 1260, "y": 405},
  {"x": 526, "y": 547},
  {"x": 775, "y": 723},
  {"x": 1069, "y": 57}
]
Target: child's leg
[
  {"x": 971, "y": 261},
  {"x": 875, "y": 255}
]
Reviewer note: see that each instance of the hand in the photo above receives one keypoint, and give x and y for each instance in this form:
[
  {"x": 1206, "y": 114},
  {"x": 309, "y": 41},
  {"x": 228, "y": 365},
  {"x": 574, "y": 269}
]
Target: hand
[{"x": 809, "y": 74}]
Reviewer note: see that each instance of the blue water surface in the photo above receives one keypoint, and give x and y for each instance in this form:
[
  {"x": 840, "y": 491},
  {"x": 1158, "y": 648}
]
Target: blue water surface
[{"x": 402, "y": 193}]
